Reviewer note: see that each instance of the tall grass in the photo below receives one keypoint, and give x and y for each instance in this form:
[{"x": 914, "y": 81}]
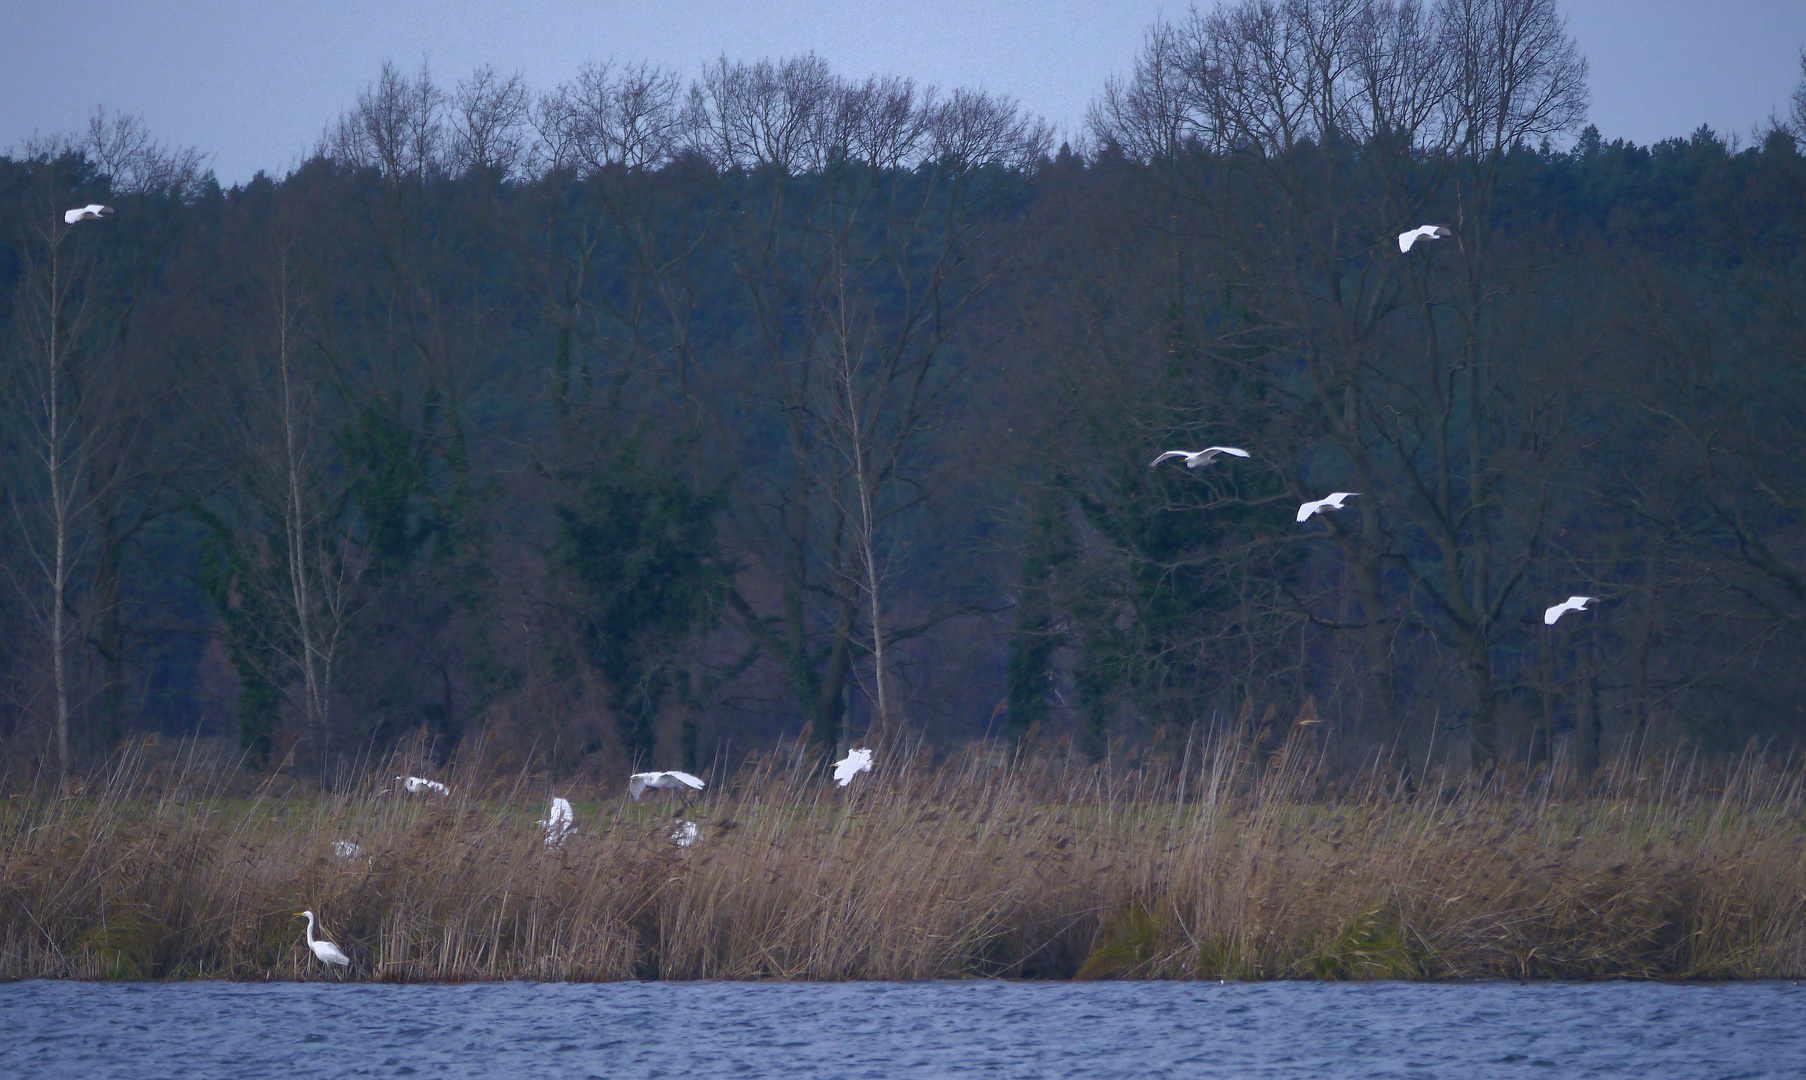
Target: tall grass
[{"x": 979, "y": 867}]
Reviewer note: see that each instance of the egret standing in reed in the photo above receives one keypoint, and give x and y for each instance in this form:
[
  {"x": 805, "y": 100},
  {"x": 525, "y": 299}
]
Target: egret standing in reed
[
  {"x": 686, "y": 834},
  {"x": 560, "y": 822},
  {"x": 1572, "y": 603},
  {"x": 1197, "y": 459},
  {"x": 640, "y": 781},
  {"x": 328, "y": 953},
  {"x": 418, "y": 785},
  {"x": 1422, "y": 232},
  {"x": 856, "y": 762},
  {"x": 1332, "y": 501}
]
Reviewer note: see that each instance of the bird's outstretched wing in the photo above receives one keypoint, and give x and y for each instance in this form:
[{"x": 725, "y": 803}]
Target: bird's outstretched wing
[
  {"x": 1232, "y": 451},
  {"x": 1169, "y": 454},
  {"x": 687, "y": 780},
  {"x": 1572, "y": 603},
  {"x": 636, "y": 786},
  {"x": 856, "y": 761},
  {"x": 1422, "y": 232},
  {"x": 1305, "y": 510}
]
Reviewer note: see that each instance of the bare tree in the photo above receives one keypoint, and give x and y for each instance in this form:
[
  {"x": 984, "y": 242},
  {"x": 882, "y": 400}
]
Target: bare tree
[
  {"x": 398, "y": 126},
  {"x": 488, "y": 123},
  {"x": 54, "y": 315},
  {"x": 871, "y": 191},
  {"x": 290, "y": 557},
  {"x": 1319, "y": 130},
  {"x": 121, "y": 147}
]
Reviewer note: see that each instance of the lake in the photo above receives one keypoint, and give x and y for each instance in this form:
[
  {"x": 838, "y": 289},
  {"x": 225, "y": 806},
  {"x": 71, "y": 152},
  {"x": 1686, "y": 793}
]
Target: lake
[{"x": 497, "y": 1030}]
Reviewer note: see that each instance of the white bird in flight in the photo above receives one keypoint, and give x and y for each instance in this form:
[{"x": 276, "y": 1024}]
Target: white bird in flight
[
  {"x": 640, "y": 781},
  {"x": 1572, "y": 603},
  {"x": 325, "y": 950},
  {"x": 1197, "y": 459},
  {"x": 856, "y": 762},
  {"x": 346, "y": 849},
  {"x": 416, "y": 785},
  {"x": 560, "y": 822},
  {"x": 686, "y": 834},
  {"x": 1422, "y": 232},
  {"x": 90, "y": 212},
  {"x": 1332, "y": 501}
]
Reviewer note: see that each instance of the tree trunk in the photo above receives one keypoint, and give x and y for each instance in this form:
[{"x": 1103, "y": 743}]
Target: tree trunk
[{"x": 1587, "y": 728}]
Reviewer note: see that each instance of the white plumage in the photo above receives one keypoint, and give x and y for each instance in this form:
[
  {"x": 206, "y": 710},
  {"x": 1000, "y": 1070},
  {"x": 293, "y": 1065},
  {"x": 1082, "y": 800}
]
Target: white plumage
[
  {"x": 90, "y": 212},
  {"x": 640, "y": 781},
  {"x": 686, "y": 834},
  {"x": 1332, "y": 501},
  {"x": 856, "y": 762},
  {"x": 1572, "y": 603},
  {"x": 1422, "y": 232},
  {"x": 417, "y": 785},
  {"x": 325, "y": 950},
  {"x": 346, "y": 849},
  {"x": 1197, "y": 459},
  {"x": 560, "y": 822}
]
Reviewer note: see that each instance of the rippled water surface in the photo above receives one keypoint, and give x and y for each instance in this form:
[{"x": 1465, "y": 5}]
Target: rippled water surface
[{"x": 88, "y": 1030}]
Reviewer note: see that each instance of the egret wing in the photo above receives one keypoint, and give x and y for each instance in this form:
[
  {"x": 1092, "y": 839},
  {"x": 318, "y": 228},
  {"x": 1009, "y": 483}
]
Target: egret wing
[
  {"x": 1169, "y": 454},
  {"x": 686, "y": 779}
]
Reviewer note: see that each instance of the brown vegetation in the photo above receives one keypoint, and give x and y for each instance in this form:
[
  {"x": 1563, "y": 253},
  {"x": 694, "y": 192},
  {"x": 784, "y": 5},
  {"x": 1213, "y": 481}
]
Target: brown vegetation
[{"x": 978, "y": 867}]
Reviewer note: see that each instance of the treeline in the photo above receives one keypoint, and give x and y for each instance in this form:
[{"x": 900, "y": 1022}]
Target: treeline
[{"x": 648, "y": 419}]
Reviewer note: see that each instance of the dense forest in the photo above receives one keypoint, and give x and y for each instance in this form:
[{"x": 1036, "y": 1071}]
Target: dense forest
[{"x": 652, "y": 419}]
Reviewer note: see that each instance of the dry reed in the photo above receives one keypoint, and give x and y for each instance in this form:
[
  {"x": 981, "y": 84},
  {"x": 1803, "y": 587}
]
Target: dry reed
[{"x": 1038, "y": 869}]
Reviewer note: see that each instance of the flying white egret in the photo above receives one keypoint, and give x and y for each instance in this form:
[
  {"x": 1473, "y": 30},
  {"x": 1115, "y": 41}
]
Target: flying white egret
[
  {"x": 686, "y": 834},
  {"x": 325, "y": 950},
  {"x": 559, "y": 822},
  {"x": 1422, "y": 232},
  {"x": 416, "y": 785},
  {"x": 856, "y": 762},
  {"x": 1572, "y": 603},
  {"x": 90, "y": 212},
  {"x": 346, "y": 849},
  {"x": 1333, "y": 501},
  {"x": 640, "y": 781},
  {"x": 1197, "y": 459}
]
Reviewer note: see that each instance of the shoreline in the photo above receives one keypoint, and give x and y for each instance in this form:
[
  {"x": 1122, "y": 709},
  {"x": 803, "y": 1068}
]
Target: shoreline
[{"x": 1030, "y": 872}]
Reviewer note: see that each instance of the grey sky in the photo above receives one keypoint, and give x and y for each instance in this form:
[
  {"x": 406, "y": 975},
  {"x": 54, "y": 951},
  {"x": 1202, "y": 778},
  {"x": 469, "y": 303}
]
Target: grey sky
[{"x": 254, "y": 83}]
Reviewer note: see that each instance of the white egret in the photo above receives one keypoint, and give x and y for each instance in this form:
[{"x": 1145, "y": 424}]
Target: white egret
[
  {"x": 856, "y": 762},
  {"x": 686, "y": 834},
  {"x": 1422, "y": 232},
  {"x": 640, "y": 781},
  {"x": 1572, "y": 603},
  {"x": 90, "y": 212},
  {"x": 346, "y": 849},
  {"x": 1197, "y": 459},
  {"x": 560, "y": 822},
  {"x": 416, "y": 785},
  {"x": 1333, "y": 501},
  {"x": 325, "y": 950}
]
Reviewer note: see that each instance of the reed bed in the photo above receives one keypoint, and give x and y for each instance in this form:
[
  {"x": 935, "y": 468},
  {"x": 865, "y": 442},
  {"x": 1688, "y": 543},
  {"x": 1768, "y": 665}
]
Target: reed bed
[{"x": 1205, "y": 868}]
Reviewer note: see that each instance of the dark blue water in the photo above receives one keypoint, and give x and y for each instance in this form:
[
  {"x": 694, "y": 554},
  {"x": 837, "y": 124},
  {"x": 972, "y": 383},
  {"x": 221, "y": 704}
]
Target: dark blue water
[{"x": 496, "y": 1030}]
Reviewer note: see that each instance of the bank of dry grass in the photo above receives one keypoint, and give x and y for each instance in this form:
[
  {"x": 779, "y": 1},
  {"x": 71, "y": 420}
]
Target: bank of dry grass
[{"x": 1032, "y": 869}]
